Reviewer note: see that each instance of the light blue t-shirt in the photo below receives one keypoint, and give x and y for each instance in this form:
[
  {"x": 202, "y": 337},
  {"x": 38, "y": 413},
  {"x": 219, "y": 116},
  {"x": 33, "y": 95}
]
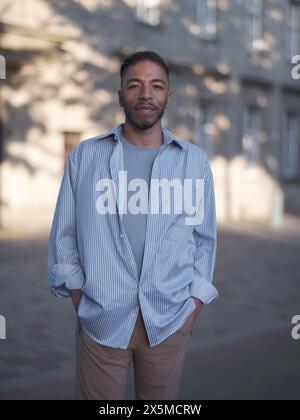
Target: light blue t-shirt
[{"x": 138, "y": 163}]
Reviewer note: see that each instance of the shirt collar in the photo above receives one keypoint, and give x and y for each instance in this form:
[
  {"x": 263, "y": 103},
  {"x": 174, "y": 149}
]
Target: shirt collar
[{"x": 168, "y": 137}]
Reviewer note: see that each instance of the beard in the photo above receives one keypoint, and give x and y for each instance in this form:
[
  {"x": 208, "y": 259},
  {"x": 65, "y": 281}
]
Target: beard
[{"x": 143, "y": 123}]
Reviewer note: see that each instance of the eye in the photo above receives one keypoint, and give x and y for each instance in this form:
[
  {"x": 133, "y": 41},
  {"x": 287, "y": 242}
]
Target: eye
[
  {"x": 158, "y": 87},
  {"x": 132, "y": 86}
]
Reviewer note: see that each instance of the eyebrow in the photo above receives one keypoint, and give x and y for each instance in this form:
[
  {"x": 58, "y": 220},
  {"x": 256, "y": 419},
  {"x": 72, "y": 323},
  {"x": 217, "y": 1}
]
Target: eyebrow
[{"x": 152, "y": 81}]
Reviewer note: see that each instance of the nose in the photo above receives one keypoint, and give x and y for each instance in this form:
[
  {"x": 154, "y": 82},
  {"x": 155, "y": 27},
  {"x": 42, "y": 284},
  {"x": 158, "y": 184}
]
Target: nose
[{"x": 145, "y": 92}]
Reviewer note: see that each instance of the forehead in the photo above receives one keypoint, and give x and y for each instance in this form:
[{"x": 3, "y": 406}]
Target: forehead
[{"x": 145, "y": 70}]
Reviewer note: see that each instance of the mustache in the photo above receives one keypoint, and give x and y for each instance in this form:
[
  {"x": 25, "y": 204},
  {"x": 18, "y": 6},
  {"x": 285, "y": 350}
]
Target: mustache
[{"x": 145, "y": 105}]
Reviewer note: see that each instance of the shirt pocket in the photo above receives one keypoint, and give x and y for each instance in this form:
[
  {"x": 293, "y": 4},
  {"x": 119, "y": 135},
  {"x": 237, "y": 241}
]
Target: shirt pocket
[
  {"x": 179, "y": 229},
  {"x": 178, "y": 246}
]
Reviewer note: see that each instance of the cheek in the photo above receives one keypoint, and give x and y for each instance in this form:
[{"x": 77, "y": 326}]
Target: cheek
[
  {"x": 130, "y": 100},
  {"x": 126, "y": 102},
  {"x": 163, "y": 102}
]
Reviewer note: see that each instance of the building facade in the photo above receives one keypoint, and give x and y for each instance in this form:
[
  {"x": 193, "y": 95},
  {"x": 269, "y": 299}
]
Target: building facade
[{"x": 234, "y": 77}]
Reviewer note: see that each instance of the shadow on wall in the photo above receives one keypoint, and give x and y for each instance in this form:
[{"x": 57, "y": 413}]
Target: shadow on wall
[{"x": 72, "y": 85}]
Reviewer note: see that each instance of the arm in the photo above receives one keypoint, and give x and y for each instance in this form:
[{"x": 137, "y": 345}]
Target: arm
[
  {"x": 64, "y": 268},
  {"x": 205, "y": 235},
  {"x": 199, "y": 306}
]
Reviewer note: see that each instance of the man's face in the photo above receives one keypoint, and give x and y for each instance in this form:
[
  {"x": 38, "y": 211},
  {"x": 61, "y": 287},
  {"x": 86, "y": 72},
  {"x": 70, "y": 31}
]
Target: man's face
[{"x": 144, "y": 94}]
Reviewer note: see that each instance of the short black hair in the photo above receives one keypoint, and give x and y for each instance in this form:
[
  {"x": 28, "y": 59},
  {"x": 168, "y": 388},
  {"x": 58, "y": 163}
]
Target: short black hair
[{"x": 138, "y": 56}]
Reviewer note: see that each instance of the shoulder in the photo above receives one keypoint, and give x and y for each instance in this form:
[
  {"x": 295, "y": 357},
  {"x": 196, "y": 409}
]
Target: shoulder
[
  {"x": 195, "y": 150},
  {"x": 87, "y": 146},
  {"x": 196, "y": 155}
]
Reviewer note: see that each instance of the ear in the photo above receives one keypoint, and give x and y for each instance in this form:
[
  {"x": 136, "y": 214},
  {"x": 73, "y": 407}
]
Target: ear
[{"x": 120, "y": 98}]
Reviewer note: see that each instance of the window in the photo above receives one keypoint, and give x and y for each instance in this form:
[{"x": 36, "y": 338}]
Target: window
[
  {"x": 207, "y": 18},
  {"x": 290, "y": 150},
  {"x": 72, "y": 139},
  {"x": 293, "y": 30},
  {"x": 254, "y": 23},
  {"x": 148, "y": 11},
  {"x": 250, "y": 142},
  {"x": 205, "y": 128}
]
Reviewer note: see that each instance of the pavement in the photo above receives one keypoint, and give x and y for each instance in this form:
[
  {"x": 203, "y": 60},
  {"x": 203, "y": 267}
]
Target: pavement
[{"x": 241, "y": 347}]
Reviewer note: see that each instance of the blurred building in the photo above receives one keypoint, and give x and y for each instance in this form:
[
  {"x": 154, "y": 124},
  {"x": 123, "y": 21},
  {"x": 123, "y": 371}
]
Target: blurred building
[{"x": 233, "y": 94}]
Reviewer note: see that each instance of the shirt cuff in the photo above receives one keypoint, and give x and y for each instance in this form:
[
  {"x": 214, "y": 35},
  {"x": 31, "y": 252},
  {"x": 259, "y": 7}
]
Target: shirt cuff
[
  {"x": 65, "y": 277},
  {"x": 204, "y": 290},
  {"x": 60, "y": 292}
]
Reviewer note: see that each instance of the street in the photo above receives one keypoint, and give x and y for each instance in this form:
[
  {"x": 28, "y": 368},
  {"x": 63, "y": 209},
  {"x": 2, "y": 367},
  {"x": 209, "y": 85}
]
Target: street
[{"x": 241, "y": 346}]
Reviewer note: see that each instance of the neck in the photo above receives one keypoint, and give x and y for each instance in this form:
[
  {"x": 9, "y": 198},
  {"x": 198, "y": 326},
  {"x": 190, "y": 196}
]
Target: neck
[{"x": 150, "y": 137}]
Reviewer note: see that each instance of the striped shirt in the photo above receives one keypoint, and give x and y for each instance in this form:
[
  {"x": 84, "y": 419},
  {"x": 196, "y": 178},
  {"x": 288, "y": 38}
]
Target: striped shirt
[{"x": 91, "y": 251}]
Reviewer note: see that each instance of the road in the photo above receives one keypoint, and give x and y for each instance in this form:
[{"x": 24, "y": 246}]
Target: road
[{"x": 241, "y": 347}]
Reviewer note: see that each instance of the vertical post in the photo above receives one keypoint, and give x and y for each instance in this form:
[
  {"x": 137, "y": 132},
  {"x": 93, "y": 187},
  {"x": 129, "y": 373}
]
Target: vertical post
[
  {"x": 2, "y": 328},
  {"x": 2, "y": 67},
  {"x": 2, "y": 77}
]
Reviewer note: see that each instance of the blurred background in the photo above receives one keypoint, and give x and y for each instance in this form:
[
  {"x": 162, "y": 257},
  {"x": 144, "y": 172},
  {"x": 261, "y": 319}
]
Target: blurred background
[{"x": 236, "y": 94}]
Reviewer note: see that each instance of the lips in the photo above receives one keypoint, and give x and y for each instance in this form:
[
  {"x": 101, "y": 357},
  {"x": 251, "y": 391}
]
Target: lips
[{"x": 145, "y": 108}]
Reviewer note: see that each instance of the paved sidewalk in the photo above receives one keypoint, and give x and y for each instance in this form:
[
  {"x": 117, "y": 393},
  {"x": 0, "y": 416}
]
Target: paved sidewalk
[{"x": 241, "y": 345}]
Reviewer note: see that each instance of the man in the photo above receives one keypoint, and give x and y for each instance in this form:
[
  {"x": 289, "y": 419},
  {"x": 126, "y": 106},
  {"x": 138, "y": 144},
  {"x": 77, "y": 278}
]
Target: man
[{"x": 138, "y": 271}]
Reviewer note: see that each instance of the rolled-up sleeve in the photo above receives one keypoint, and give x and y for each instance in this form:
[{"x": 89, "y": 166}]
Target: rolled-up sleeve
[
  {"x": 205, "y": 235},
  {"x": 65, "y": 272}
]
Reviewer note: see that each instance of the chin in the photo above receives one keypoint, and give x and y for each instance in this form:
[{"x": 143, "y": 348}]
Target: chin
[{"x": 143, "y": 125}]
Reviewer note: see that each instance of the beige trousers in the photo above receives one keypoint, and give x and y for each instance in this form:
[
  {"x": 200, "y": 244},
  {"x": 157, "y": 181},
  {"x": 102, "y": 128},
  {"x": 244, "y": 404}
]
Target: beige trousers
[{"x": 102, "y": 372}]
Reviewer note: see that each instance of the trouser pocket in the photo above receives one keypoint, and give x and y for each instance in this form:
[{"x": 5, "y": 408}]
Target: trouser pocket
[{"x": 78, "y": 325}]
